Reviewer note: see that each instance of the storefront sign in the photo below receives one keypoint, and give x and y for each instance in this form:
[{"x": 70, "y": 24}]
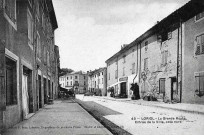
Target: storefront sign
[{"x": 123, "y": 79}]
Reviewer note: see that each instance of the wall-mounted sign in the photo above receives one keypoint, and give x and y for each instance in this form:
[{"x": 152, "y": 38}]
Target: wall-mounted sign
[{"x": 123, "y": 79}]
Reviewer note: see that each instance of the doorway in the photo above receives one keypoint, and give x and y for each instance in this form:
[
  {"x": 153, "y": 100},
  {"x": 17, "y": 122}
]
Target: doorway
[
  {"x": 174, "y": 91},
  {"x": 40, "y": 91},
  {"x": 27, "y": 99},
  {"x": 123, "y": 88},
  {"x": 45, "y": 90}
]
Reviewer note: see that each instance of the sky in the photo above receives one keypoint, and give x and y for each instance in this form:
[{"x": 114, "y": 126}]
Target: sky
[{"x": 91, "y": 31}]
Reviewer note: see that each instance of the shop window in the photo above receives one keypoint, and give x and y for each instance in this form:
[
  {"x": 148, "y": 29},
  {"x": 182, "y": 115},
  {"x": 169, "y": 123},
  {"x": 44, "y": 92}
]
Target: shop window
[
  {"x": 199, "y": 80},
  {"x": 199, "y": 46},
  {"x": 162, "y": 85},
  {"x": 11, "y": 82}
]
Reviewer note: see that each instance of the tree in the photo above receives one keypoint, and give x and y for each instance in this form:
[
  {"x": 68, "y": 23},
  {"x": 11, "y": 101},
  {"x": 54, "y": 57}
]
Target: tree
[{"x": 64, "y": 71}]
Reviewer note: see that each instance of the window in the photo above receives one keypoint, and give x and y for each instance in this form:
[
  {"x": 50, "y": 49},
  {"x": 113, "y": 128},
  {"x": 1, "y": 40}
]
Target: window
[
  {"x": 67, "y": 78},
  {"x": 43, "y": 21},
  {"x": 199, "y": 79},
  {"x": 146, "y": 45},
  {"x": 145, "y": 63},
  {"x": 162, "y": 85},
  {"x": 11, "y": 82},
  {"x": 67, "y": 83},
  {"x": 169, "y": 35},
  {"x": 76, "y": 82},
  {"x": 199, "y": 45},
  {"x": 84, "y": 83},
  {"x": 124, "y": 59},
  {"x": 116, "y": 74},
  {"x": 10, "y": 11},
  {"x": 48, "y": 58},
  {"x": 45, "y": 54},
  {"x": 199, "y": 16},
  {"x": 109, "y": 76},
  {"x": 164, "y": 57},
  {"x": 75, "y": 77},
  {"x": 123, "y": 71},
  {"x": 133, "y": 68},
  {"x": 38, "y": 45},
  {"x": 71, "y": 83},
  {"x": 102, "y": 80},
  {"x": 102, "y": 73},
  {"x": 30, "y": 28},
  {"x": 84, "y": 77}
]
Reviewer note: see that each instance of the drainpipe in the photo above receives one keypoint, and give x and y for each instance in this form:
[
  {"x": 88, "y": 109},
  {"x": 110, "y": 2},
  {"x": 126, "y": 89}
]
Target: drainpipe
[
  {"x": 177, "y": 68},
  {"x": 180, "y": 21}
]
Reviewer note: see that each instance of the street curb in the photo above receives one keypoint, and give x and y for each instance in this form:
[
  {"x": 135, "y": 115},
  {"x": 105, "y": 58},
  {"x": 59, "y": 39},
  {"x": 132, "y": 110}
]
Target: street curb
[
  {"x": 157, "y": 106},
  {"x": 102, "y": 121}
]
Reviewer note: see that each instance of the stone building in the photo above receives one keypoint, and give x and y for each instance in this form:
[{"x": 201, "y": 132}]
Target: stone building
[
  {"x": 97, "y": 81},
  {"x": 76, "y": 81},
  {"x": 27, "y": 59},
  {"x": 166, "y": 61}
]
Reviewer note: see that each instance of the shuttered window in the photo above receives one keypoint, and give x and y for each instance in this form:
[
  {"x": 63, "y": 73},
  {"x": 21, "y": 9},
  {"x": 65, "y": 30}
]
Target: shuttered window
[
  {"x": 162, "y": 85},
  {"x": 145, "y": 63},
  {"x": 199, "y": 45},
  {"x": 199, "y": 78},
  {"x": 30, "y": 28},
  {"x": 164, "y": 57}
]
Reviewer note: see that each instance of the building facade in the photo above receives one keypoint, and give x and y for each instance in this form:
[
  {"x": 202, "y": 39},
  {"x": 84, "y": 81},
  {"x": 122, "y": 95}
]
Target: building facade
[
  {"x": 77, "y": 81},
  {"x": 27, "y": 62},
  {"x": 97, "y": 82},
  {"x": 166, "y": 61}
]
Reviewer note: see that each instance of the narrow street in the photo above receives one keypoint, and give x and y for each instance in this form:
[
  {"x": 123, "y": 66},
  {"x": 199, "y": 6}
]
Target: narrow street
[{"x": 62, "y": 118}]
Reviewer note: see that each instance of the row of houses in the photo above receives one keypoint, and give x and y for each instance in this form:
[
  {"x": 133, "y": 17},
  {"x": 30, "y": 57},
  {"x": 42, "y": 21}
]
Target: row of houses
[
  {"x": 76, "y": 81},
  {"x": 29, "y": 58},
  {"x": 97, "y": 81},
  {"x": 167, "y": 61}
]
